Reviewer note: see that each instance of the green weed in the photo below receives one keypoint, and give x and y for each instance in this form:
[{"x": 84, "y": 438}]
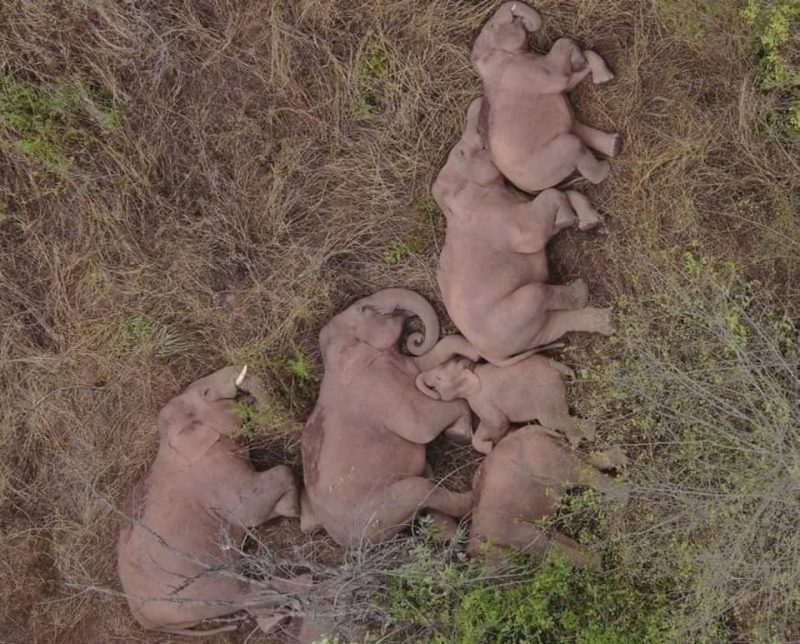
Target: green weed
[
  {"x": 53, "y": 125},
  {"x": 262, "y": 420},
  {"x": 142, "y": 334},
  {"x": 300, "y": 367},
  {"x": 372, "y": 69},
  {"x": 426, "y": 217}
]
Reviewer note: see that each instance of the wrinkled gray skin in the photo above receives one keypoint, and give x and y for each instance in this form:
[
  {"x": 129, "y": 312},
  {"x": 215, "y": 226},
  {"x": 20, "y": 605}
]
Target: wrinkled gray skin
[
  {"x": 520, "y": 483},
  {"x": 530, "y": 390},
  {"x": 364, "y": 445},
  {"x": 529, "y": 122},
  {"x": 199, "y": 488},
  {"x": 493, "y": 268}
]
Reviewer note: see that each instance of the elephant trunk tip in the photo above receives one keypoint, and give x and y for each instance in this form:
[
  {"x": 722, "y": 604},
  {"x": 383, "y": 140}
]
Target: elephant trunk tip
[{"x": 426, "y": 389}]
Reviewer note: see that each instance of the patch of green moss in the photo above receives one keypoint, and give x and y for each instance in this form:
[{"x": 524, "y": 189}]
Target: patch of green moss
[{"x": 54, "y": 125}]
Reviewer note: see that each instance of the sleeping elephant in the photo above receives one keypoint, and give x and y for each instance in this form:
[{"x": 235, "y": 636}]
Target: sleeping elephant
[
  {"x": 173, "y": 568},
  {"x": 493, "y": 268},
  {"x": 520, "y": 483},
  {"x": 530, "y": 390},
  {"x": 363, "y": 447},
  {"x": 529, "y": 123}
]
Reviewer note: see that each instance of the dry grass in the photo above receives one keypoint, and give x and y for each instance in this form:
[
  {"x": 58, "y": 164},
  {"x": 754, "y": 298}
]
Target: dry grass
[{"x": 268, "y": 162}]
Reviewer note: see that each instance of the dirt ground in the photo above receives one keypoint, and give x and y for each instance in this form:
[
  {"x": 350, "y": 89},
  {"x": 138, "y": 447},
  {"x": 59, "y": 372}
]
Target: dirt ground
[{"x": 212, "y": 180}]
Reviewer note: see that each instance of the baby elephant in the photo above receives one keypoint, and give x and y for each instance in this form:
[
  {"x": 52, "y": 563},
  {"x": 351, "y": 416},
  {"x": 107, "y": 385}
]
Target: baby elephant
[
  {"x": 532, "y": 389},
  {"x": 528, "y": 121},
  {"x": 520, "y": 483},
  {"x": 173, "y": 568}
]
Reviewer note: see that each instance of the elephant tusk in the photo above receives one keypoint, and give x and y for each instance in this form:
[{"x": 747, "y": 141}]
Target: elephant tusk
[{"x": 240, "y": 378}]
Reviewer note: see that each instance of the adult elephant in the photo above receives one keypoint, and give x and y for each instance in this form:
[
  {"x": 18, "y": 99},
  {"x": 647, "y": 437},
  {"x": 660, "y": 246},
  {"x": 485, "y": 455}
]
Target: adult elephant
[
  {"x": 493, "y": 270},
  {"x": 364, "y": 444}
]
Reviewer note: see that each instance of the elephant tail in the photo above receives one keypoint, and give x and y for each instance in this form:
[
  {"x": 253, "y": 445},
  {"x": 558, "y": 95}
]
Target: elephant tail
[{"x": 507, "y": 362}]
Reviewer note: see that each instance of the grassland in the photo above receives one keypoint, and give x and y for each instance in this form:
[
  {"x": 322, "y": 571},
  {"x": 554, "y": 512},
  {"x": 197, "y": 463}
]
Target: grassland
[{"x": 188, "y": 184}]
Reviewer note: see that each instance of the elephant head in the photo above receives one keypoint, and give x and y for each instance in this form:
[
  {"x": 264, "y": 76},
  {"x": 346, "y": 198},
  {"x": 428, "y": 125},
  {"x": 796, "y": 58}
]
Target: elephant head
[
  {"x": 453, "y": 379},
  {"x": 378, "y": 321},
  {"x": 469, "y": 159}
]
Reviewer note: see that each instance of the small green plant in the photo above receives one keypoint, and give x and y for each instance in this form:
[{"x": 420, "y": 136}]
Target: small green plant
[
  {"x": 148, "y": 336},
  {"x": 262, "y": 419},
  {"x": 426, "y": 215},
  {"x": 300, "y": 367},
  {"x": 51, "y": 125},
  {"x": 372, "y": 70},
  {"x": 397, "y": 252}
]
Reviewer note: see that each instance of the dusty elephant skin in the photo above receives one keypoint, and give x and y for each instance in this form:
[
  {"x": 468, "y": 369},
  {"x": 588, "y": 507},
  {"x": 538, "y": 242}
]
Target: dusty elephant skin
[
  {"x": 531, "y": 129},
  {"x": 493, "y": 267},
  {"x": 364, "y": 445},
  {"x": 519, "y": 483},
  {"x": 530, "y": 390},
  {"x": 169, "y": 553}
]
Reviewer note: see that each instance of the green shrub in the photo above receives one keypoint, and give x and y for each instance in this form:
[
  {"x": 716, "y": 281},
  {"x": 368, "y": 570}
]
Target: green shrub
[
  {"x": 704, "y": 387},
  {"x": 440, "y": 597}
]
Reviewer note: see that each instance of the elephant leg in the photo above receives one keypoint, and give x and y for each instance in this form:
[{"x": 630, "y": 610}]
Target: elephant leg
[
  {"x": 531, "y": 538},
  {"x": 592, "y": 169},
  {"x": 403, "y": 499},
  {"x": 265, "y": 496},
  {"x": 309, "y": 523},
  {"x": 550, "y": 212},
  {"x": 598, "y": 68},
  {"x": 607, "y": 143},
  {"x": 490, "y": 432},
  {"x": 588, "y": 216},
  {"x": 460, "y": 432},
  {"x": 588, "y": 320}
]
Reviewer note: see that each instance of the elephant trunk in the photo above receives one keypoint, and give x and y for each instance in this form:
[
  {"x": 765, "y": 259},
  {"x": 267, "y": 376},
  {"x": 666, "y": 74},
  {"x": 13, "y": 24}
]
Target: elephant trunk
[
  {"x": 395, "y": 300},
  {"x": 426, "y": 389}
]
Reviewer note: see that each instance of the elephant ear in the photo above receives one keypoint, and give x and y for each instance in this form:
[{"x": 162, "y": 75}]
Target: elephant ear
[{"x": 186, "y": 434}]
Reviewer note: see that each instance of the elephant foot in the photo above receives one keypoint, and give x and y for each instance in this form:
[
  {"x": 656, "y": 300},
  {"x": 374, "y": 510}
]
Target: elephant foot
[
  {"x": 603, "y": 323},
  {"x": 602, "y": 76},
  {"x": 616, "y": 145},
  {"x": 579, "y": 293}
]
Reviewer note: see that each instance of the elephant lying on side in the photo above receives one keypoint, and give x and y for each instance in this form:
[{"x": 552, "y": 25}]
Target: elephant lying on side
[
  {"x": 493, "y": 268},
  {"x": 364, "y": 444},
  {"x": 530, "y": 390},
  {"x": 521, "y": 482},
  {"x": 170, "y": 560},
  {"x": 530, "y": 125}
]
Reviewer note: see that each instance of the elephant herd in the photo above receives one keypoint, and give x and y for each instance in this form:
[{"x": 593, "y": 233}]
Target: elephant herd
[{"x": 365, "y": 469}]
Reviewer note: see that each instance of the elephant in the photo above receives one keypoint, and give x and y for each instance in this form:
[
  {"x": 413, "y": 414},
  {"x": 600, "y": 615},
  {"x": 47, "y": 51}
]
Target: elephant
[
  {"x": 174, "y": 570},
  {"x": 493, "y": 267},
  {"x": 520, "y": 483},
  {"x": 530, "y": 390},
  {"x": 528, "y": 121},
  {"x": 363, "y": 447}
]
